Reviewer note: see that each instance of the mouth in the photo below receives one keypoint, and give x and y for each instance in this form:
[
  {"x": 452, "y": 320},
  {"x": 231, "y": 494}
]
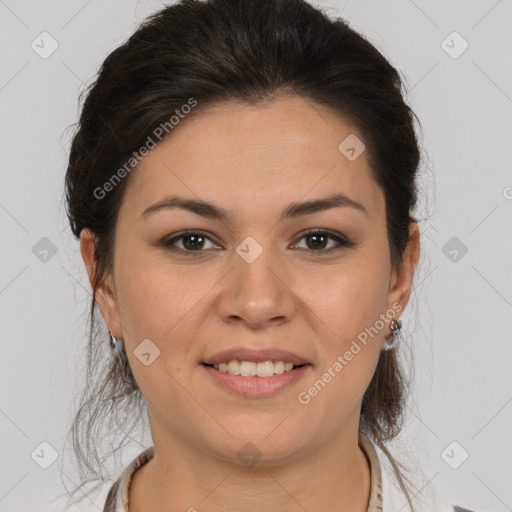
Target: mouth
[{"x": 256, "y": 380}]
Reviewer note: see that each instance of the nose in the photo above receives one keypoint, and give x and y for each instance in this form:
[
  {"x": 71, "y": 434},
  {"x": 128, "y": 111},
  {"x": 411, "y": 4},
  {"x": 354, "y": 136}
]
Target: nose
[{"x": 257, "y": 293}]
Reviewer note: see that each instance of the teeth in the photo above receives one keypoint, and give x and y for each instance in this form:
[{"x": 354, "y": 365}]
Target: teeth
[{"x": 250, "y": 369}]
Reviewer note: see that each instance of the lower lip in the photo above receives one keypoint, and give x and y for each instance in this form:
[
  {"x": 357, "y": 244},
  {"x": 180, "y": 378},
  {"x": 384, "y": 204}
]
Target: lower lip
[{"x": 254, "y": 387}]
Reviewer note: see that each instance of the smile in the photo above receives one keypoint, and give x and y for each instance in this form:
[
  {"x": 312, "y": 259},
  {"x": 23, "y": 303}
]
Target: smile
[{"x": 253, "y": 380}]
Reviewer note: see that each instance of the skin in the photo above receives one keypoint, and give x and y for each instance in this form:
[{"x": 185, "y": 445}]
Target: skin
[{"x": 253, "y": 161}]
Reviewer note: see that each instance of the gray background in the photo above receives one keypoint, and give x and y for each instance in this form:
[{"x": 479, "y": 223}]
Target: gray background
[{"x": 458, "y": 321}]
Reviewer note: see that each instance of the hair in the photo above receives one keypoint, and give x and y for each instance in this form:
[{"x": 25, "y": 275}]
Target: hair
[{"x": 250, "y": 52}]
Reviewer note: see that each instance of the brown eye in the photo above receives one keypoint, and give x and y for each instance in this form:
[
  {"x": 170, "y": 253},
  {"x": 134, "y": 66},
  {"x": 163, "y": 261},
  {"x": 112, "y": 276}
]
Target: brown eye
[
  {"x": 191, "y": 242},
  {"x": 317, "y": 240}
]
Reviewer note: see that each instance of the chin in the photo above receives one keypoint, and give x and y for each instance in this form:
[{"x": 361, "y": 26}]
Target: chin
[{"x": 250, "y": 447}]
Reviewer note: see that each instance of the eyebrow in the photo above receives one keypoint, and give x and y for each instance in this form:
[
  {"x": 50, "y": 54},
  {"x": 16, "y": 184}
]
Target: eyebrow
[{"x": 292, "y": 211}]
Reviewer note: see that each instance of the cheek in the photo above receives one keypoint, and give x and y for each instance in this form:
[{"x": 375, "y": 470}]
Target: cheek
[
  {"x": 152, "y": 292},
  {"x": 165, "y": 303},
  {"x": 350, "y": 300},
  {"x": 359, "y": 298}
]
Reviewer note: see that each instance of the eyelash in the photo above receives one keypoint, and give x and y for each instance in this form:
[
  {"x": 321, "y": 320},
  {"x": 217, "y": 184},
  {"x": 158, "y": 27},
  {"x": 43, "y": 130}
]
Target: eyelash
[{"x": 343, "y": 242}]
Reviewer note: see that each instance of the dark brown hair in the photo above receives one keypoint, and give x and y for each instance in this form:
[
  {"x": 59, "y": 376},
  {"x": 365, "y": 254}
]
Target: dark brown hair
[{"x": 215, "y": 51}]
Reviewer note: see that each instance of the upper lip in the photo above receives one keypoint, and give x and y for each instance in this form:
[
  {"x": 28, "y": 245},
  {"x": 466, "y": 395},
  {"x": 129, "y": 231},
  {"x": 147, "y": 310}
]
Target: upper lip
[{"x": 249, "y": 354}]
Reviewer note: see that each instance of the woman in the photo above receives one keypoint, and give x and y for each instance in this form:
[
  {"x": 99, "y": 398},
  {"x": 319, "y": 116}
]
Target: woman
[{"x": 242, "y": 181}]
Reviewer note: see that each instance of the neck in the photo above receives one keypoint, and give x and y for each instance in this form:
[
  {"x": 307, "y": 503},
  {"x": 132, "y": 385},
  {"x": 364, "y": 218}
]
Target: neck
[{"x": 335, "y": 477}]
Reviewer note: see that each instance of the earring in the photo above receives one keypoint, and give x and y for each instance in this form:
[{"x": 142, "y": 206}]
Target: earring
[
  {"x": 113, "y": 340},
  {"x": 395, "y": 327}
]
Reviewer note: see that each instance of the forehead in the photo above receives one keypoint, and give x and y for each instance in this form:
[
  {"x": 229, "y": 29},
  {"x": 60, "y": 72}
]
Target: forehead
[{"x": 273, "y": 152}]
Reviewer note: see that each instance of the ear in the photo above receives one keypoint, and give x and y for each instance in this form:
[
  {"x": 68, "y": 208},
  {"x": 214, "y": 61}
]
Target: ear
[
  {"x": 401, "y": 280},
  {"x": 105, "y": 292}
]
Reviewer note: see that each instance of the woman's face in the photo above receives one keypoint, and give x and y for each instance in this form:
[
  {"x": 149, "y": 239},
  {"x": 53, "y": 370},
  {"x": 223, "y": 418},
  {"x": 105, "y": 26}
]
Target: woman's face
[{"x": 252, "y": 279}]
